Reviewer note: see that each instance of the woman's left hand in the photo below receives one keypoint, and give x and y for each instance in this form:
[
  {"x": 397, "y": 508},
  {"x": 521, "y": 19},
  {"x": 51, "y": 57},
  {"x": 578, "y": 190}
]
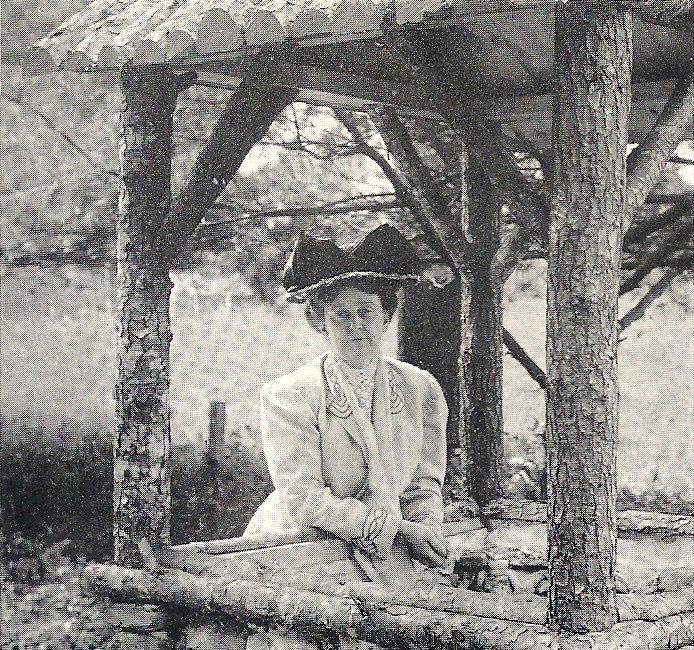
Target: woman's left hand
[{"x": 426, "y": 543}]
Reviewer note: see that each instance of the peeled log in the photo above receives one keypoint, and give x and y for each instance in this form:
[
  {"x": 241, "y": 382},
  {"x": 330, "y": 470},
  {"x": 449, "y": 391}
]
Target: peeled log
[
  {"x": 385, "y": 624},
  {"x": 255, "y": 602},
  {"x": 637, "y": 522}
]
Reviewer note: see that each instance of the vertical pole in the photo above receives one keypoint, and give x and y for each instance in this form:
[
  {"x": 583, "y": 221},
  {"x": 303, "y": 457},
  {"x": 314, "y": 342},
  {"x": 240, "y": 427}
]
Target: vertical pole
[
  {"x": 485, "y": 420},
  {"x": 141, "y": 495},
  {"x": 216, "y": 438},
  {"x": 590, "y": 112},
  {"x": 458, "y": 469}
]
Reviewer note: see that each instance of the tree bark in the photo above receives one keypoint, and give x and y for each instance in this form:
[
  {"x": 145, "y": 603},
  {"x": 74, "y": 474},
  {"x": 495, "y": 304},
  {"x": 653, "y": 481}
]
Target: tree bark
[
  {"x": 647, "y": 162},
  {"x": 143, "y": 438},
  {"x": 370, "y": 616},
  {"x": 485, "y": 433},
  {"x": 631, "y": 522},
  {"x": 590, "y": 112}
]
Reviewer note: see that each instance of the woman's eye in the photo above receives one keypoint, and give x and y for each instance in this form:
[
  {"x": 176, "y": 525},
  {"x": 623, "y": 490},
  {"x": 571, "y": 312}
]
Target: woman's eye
[{"x": 365, "y": 313}]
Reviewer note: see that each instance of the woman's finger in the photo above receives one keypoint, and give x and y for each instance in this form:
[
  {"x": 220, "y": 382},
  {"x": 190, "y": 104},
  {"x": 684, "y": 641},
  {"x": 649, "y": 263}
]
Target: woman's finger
[{"x": 438, "y": 544}]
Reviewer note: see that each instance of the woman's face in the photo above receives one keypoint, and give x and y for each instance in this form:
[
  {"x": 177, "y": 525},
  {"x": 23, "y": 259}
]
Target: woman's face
[{"x": 354, "y": 325}]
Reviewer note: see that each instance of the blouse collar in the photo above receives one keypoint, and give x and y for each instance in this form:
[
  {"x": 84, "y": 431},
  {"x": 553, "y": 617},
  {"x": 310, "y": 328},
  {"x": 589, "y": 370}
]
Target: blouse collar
[{"x": 359, "y": 378}]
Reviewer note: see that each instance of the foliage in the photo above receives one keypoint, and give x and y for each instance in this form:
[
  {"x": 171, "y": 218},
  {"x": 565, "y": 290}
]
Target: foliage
[
  {"x": 214, "y": 498},
  {"x": 55, "y": 492}
]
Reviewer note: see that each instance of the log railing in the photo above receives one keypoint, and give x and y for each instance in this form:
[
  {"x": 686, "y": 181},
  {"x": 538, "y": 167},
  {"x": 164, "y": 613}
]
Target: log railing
[{"x": 294, "y": 581}]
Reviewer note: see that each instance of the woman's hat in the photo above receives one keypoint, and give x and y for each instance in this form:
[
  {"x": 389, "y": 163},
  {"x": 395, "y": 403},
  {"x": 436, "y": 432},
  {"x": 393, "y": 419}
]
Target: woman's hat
[{"x": 383, "y": 254}]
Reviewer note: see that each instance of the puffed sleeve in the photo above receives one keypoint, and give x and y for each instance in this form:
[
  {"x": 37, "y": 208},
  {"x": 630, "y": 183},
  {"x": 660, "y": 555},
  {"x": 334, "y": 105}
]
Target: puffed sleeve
[
  {"x": 291, "y": 442},
  {"x": 422, "y": 501}
]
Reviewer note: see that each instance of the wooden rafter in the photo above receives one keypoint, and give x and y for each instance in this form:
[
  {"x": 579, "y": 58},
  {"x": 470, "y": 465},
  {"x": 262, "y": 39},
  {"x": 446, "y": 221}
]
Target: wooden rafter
[
  {"x": 410, "y": 195},
  {"x": 445, "y": 224},
  {"x": 646, "y": 163},
  {"x": 248, "y": 114}
]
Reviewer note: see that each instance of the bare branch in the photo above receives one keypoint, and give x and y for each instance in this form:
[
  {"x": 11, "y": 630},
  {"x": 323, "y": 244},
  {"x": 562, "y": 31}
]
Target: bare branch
[
  {"x": 519, "y": 354},
  {"x": 334, "y": 207},
  {"x": 408, "y": 195},
  {"x": 654, "y": 292},
  {"x": 679, "y": 160},
  {"x": 444, "y": 222},
  {"x": 56, "y": 129},
  {"x": 248, "y": 115},
  {"x": 646, "y": 163},
  {"x": 643, "y": 229},
  {"x": 672, "y": 243}
]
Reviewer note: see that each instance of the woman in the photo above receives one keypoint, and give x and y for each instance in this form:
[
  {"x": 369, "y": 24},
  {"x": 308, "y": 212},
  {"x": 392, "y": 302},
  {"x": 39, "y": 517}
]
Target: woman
[{"x": 354, "y": 440}]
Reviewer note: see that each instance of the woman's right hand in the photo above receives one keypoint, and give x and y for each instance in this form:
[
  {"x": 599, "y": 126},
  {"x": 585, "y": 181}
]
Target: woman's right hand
[{"x": 426, "y": 543}]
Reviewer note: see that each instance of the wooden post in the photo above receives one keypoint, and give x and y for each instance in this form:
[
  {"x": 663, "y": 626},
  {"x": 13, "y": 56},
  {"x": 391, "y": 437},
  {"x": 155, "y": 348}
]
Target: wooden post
[
  {"x": 590, "y": 113},
  {"x": 216, "y": 438},
  {"x": 141, "y": 456},
  {"x": 485, "y": 420}
]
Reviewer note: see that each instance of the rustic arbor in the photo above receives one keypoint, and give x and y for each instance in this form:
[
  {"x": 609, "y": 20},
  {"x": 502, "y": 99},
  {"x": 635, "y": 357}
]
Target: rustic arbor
[{"x": 471, "y": 69}]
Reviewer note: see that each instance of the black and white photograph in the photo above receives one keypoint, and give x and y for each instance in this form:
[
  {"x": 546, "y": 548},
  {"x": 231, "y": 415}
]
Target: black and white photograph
[{"x": 347, "y": 325}]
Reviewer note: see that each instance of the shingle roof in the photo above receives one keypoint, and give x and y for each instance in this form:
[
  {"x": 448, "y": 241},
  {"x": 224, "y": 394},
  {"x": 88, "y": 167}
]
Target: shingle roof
[
  {"x": 108, "y": 32},
  {"x": 509, "y": 50}
]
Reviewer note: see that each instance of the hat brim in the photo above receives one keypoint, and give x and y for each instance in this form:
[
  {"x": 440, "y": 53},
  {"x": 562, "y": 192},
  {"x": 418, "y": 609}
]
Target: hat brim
[{"x": 300, "y": 295}]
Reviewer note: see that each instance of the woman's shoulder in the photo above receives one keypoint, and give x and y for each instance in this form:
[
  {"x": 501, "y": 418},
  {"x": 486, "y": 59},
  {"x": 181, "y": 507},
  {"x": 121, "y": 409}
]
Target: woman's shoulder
[
  {"x": 306, "y": 379},
  {"x": 409, "y": 371}
]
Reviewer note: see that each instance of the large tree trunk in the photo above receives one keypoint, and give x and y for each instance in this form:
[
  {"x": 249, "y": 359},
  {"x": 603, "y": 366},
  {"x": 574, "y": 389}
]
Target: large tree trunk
[
  {"x": 590, "y": 111},
  {"x": 485, "y": 420},
  {"x": 141, "y": 472}
]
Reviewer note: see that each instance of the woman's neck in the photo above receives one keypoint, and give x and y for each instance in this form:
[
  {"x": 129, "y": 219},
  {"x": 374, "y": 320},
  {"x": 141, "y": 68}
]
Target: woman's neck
[{"x": 357, "y": 364}]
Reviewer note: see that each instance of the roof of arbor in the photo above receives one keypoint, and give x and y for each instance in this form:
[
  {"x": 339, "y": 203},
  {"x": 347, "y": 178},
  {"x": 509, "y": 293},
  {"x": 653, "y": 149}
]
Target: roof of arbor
[{"x": 336, "y": 47}]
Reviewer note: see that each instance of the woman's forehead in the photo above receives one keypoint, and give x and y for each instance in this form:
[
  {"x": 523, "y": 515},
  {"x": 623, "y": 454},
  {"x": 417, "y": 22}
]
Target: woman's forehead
[{"x": 351, "y": 297}]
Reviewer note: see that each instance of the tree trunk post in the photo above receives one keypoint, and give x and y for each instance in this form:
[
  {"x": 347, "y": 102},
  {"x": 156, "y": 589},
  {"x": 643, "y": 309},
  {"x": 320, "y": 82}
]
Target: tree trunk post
[
  {"x": 485, "y": 420},
  {"x": 590, "y": 112},
  {"x": 142, "y": 499}
]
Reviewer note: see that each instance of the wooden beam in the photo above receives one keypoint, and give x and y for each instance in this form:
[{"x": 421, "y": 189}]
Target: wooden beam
[
  {"x": 246, "y": 118},
  {"x": 529, "y": 114},
  {"x": 646, "y": 163},
  {"x": 371, "y": 615},
  {"x": 630, "y": 522},
  {"x": 444, "y": 221},
  {"x": 315, "y": 613}
]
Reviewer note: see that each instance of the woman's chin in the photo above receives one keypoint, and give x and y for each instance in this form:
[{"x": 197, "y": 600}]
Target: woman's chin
[{"x": 357, "y": 355}]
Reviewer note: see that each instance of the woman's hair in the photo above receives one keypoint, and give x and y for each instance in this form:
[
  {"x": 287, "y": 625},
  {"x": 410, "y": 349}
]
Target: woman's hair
[{"x": 386, "y": 291}]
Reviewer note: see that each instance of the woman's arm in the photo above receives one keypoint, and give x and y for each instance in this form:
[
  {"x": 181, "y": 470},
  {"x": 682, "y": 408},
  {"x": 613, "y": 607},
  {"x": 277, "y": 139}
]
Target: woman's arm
[
  {"x": 422, "y": 501},
  {"x": 291, "y": 442}
]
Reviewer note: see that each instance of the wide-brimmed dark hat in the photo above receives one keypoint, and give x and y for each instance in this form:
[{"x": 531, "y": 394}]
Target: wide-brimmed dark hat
[{"x": 383, "y": 254}]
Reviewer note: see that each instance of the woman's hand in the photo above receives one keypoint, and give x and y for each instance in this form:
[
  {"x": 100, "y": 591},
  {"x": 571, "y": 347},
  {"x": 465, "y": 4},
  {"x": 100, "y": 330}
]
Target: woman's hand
[{"x": 426, "y": 543}]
